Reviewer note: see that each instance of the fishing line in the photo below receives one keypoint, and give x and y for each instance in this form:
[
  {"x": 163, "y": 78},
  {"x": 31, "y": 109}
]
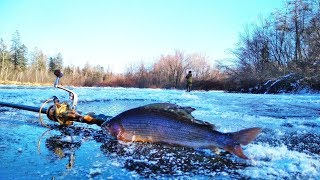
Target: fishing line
[
  {"x": 40, "y": 117},
  {"x": 39, "y": 140}
]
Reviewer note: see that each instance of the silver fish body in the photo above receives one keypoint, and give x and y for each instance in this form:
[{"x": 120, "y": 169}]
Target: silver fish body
[{"x": 172, "y": 124}]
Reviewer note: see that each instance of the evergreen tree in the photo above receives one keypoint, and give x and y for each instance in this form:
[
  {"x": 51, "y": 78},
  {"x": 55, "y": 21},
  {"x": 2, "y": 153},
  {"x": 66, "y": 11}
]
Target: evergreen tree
[
  {"x": 38, "y": 60},
  {"x": 56, "y": 62},
  {"x": 18, "y": 53}
]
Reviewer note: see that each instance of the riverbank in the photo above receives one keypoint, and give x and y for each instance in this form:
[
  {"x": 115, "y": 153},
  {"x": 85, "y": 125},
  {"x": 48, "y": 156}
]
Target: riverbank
[{"x": 2, "y": 82}]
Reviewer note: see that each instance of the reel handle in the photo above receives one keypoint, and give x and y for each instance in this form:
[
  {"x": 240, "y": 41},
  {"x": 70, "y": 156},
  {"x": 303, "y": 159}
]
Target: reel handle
[
  {"x": 73, "y": 96},
  {"x": 59, "y": 75}
]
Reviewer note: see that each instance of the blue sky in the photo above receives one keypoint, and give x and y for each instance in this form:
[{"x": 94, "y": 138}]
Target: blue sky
[{"x": 116, "y": 33}]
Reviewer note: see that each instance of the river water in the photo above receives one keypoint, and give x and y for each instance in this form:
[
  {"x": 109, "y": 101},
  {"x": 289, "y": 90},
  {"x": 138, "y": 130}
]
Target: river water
[{"x": 288, "y": 146}]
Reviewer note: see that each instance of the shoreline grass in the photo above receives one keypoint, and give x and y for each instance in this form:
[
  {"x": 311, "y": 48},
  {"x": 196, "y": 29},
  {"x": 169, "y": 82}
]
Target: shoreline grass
[{"x": 2, "y": 82}]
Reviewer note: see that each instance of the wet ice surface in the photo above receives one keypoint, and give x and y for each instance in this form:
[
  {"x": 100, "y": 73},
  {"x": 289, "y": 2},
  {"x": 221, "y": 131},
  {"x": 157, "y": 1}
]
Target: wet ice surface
[{"x": 288, "y": 146}]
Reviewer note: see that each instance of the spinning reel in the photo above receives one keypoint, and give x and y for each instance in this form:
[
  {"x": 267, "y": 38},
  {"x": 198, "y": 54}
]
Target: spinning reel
[{"x": 64, "y": 113}]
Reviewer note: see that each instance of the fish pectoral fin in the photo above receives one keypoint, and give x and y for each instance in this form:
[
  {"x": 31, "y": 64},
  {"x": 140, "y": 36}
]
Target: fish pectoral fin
[{"x": 237, "y": 150}]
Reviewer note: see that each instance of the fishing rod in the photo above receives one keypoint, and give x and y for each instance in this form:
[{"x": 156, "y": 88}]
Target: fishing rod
[
  {"x": 24, "y": 107},
  {"x": 63, "y": 113}
]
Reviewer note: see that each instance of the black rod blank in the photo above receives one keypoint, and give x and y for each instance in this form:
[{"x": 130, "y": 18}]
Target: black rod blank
[{"x": 24, "y": 107}]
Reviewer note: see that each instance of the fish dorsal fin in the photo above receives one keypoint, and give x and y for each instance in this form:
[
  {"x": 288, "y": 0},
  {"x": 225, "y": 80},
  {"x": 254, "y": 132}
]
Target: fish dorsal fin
[
  {"x": 178, "y": 112},
  {"x": 169, "y": 106},
  {"x": 173, "y": 109}
]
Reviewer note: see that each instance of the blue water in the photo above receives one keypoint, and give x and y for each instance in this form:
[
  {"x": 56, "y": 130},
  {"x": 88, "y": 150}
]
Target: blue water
[{"x": 286, "y": 148}]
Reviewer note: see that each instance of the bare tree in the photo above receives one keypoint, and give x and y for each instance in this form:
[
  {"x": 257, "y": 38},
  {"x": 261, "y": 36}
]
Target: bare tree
[
  {"x": 38, "y": 64},
  {"x": 170, "y": 68},
  {"x": 5, "y": 60},
  {"x": 200, "y": 67}
]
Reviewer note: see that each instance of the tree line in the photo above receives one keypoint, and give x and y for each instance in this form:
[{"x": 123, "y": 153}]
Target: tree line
[
  {"x": 286, "y": 42},
  {"x": 167, "y": 72}
]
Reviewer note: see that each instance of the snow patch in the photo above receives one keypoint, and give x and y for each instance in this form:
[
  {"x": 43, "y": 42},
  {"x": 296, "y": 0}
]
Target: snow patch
[{"x": 271, "y": 162}]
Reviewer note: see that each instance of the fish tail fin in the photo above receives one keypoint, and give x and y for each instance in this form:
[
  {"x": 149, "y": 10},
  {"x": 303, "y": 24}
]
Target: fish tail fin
[
  {"x": 243, "y": 137},
  {"x": 237, "y": 150}
]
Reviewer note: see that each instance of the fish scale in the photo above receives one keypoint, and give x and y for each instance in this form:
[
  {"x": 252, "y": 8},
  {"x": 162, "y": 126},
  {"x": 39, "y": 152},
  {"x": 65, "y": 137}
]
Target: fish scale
[{"x": 163, "y": 126}]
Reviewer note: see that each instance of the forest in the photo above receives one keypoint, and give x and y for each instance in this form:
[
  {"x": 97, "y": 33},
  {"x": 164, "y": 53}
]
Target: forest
[{"x": 285, "y": 44}]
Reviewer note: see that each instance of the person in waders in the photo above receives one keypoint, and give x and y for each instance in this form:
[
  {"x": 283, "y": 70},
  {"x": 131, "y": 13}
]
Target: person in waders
[{"x": 189, "y": 81}]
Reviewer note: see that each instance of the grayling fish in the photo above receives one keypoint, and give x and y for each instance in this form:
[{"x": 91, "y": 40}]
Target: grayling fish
[{"x": 173, "y": 124}]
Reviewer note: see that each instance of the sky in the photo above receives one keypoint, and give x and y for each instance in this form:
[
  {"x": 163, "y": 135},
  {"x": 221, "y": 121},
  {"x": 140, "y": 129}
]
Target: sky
[{"x": 119, "y": 33}]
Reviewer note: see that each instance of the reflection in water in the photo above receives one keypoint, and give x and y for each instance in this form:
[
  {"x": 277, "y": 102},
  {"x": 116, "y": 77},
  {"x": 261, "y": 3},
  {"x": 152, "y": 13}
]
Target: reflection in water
[
  {"x": 63, "y": 149},
  {"x": 63, "y": 145},
  {"x": 69, "y": 141}
]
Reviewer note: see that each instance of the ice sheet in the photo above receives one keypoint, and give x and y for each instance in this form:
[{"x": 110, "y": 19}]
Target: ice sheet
[{"x": 286, "y": 148}]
